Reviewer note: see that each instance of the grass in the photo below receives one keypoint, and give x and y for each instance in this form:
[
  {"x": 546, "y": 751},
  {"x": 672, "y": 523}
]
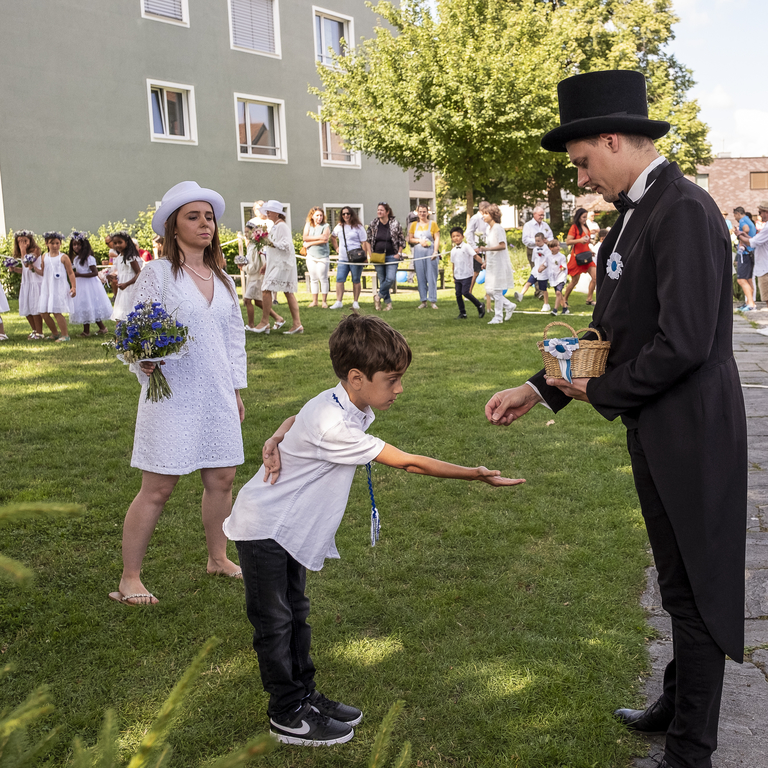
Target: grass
[{"x": 507, "y": 619}]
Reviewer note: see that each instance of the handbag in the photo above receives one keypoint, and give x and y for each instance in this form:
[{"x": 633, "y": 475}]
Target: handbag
[
  {"x": 303, "y": 250},
  {"x": 356, "y": 255},
  {"x": 378, "y": 258},
  {"x": 585, "y": 257}
]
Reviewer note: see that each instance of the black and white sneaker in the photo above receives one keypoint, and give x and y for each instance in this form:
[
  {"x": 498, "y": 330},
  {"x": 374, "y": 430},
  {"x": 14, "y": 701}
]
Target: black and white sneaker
[
  {"x": 308, "y": 727},
  {"x": 481, "y": 311},
  {"x": 334, "y": 709}
]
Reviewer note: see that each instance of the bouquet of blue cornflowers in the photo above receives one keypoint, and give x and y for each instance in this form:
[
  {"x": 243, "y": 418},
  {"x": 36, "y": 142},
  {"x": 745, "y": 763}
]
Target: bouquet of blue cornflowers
[
  {"x": 9, "y": 263},
  {"x": 29, "y": 260},
  {"x": 149, "y": 334}
]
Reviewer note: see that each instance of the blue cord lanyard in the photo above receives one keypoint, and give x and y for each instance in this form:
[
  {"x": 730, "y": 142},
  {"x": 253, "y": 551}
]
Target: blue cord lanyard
[{"x": 375, "y": 522}]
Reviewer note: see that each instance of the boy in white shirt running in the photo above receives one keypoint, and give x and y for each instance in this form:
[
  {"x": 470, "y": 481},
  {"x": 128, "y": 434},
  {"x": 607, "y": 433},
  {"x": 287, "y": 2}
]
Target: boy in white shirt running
[
  {"x": 462, "y": 259},
  {"x": 540, "y": 272},
  {"x": 285, "y": 518}
]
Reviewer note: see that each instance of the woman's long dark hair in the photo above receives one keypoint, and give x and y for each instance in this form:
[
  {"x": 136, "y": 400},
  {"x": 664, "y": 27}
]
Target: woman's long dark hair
[
  {"x": 576, "y": 216},
  {"x": 213, "y": 258},
  {"x": 353, "y": 220}
]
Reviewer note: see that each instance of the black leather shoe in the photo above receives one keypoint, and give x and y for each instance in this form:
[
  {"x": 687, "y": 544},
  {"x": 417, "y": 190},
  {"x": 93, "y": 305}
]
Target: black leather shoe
[{"x": 656, "y": 719}]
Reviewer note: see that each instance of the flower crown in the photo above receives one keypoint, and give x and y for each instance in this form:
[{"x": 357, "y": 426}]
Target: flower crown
[
  {"x": 28, "y": 233},
  {"x": 122, "y": 234},
  {"x": 53, "y": 235},
  {"x": 76, "y": 235}
]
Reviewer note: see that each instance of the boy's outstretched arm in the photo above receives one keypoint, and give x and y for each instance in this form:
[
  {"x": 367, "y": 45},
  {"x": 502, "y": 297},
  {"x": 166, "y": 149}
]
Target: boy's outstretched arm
[
  {"x": 424, "y": 465},
  {"x": 270, "y": 453}
]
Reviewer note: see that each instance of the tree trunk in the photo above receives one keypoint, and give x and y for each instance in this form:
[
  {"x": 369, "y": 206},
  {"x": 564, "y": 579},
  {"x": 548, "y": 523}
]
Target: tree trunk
[
  {"x": 470, "y": 202},
  {"x": 555, "y": 205}
]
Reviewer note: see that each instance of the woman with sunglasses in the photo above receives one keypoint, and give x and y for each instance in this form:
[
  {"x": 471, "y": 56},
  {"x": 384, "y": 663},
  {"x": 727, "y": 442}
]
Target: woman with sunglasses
[
  {"x": 386, "y": 236},
  {"x": 348, "y": 235}
]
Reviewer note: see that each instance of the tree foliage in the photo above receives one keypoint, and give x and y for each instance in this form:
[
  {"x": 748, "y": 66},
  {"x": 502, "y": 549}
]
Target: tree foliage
[{"x": 468, "y": 87}]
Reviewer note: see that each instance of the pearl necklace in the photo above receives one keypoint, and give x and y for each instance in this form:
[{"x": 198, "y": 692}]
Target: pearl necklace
[{"x": 197, "y": 273}]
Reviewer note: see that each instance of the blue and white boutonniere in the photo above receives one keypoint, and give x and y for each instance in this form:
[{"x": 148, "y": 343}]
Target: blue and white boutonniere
[
  {"x": 562, "y": 350},
  {"x": 614, "y": 266}
]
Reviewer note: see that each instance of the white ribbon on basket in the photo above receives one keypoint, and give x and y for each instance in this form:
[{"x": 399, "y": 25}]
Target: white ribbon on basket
[{"x": 562, "y": 350}]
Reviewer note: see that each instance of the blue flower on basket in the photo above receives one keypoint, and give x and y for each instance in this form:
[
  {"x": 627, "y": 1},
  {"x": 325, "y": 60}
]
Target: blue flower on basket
[
  {"x": 614, "y": 266},
  {"x": 562, "y": 350}
]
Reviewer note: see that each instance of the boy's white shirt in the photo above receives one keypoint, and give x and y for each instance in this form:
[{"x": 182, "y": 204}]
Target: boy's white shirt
[
  {"x": 319, "y": 454},
  {"x": 462, "y": 256},
  {"x": 558, "y": 268},
  {"x": 541, "y": 255}
]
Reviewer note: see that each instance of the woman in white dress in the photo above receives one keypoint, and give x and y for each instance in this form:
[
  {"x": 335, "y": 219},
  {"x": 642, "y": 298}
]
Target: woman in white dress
[
  {"x": 498, "y": 269},
  {"x": 198, "y": 428},
  {"x": 56, "y": 293},
  {"x": 280, "y": 273},
  {"x": 31, "y": 280},
  {"x": 128, "y": 264},
  {"x": 91, "y": 305}
]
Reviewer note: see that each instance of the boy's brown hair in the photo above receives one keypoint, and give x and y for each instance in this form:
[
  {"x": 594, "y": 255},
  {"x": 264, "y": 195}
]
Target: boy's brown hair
[{"x": 367, "y": 343}]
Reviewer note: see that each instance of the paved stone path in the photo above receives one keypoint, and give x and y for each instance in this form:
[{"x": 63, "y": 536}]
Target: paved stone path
[{"x": 743, "y": 735}]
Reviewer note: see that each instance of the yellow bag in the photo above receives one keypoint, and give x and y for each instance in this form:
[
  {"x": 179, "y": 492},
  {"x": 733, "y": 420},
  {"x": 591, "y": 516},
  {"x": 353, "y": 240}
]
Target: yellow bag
[{"x": 378, "y": 258}]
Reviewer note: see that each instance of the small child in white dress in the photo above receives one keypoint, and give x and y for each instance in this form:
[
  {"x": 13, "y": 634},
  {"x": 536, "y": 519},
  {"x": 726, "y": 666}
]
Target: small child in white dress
[
  {"x": 56, "y": 293},
  {"x": 27, "y": 252},
  {"x": 558, "y": 275},
  {"x": 91, "y": 305},
  {"x": 129, "y": 264},
  {"x": 4, "y": 307},
  {"x": 540, "y": 271}
]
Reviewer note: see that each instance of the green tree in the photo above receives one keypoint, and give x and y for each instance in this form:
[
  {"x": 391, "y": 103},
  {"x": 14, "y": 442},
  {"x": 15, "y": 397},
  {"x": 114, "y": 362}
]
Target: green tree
[{"x": 467, "y": 88}]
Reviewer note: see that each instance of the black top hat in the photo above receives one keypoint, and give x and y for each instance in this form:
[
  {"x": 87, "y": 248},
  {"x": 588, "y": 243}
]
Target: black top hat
[{"x": 611, "y": 101}]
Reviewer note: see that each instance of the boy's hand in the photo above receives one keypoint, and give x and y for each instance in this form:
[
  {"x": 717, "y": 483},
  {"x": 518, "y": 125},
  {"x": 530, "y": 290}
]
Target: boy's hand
[
  {"x": 270, "y": 453},
  {"x": 493, "y": 477}
]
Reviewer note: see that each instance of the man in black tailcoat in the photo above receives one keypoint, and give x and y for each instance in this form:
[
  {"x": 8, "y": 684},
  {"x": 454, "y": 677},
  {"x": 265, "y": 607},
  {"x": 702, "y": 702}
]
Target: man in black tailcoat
[{"x": 664, "y": 302}]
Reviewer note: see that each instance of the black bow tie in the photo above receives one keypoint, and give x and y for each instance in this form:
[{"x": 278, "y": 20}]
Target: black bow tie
[{"x": 626, "y": 203}]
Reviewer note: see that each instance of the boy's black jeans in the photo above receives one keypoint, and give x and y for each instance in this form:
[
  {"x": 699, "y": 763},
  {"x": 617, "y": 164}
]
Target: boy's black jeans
[
  {"x": 462, "y": 292},
  {"x": 278, "y": 609}
]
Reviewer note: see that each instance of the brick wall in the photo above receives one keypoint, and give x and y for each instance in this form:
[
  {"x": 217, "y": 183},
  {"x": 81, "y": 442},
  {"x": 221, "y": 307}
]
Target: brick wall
[{"x": 729, "y": 182}]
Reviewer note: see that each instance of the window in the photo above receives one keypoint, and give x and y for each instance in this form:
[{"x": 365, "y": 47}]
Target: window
[
  {"x": 260, "y": 128},
  {"x": 172, "y": 112},
  {"x": 702, "y": 179},
  {"x": 333, "y": 212},
  {"x": 170, "y": 11},
  {"x": 333, "y": 151},
  {"x": 330, "y": 28},
  {"x": 758, "y": 180},
  {"x": 255, "y": 26}
]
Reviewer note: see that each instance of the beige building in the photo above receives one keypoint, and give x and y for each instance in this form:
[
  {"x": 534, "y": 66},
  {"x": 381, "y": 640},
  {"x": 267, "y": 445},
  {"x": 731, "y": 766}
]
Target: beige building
[{"x": 735, "y": 181}]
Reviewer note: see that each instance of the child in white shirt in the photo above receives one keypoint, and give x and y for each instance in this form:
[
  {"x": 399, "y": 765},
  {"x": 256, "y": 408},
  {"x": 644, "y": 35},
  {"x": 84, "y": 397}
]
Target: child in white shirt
[
  {"x": 558, "y": 275},
  {"x": 540, "y": 273},
  {"x": 285, "y": 526},
  {"x": 462, "y": 259}
]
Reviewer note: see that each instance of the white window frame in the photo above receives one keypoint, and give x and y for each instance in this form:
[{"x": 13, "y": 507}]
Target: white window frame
[
  {"x": 349, "y": 37},
  {"x": 189, "y": 109},
  {"x": 278, "y": 53},
  {"x": 243, "y": 206},
  {"x": 356, "y": 163},
  {"x": 279, "y": 105},
  {"x": 360, "y": 206},
  {"x": 183, "y": 22}
]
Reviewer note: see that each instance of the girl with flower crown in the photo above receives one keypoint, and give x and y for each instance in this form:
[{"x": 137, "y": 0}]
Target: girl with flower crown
[
  {"x": 56, "y": 294},
  {"x": 3, "y": 308},
  {"x": 91, "y": 305},
  {"x": 128, "y": 263},
  {"x": 27, "y": 252}
]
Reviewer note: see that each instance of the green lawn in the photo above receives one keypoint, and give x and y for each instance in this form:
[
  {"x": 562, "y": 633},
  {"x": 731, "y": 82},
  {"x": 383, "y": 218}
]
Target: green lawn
[{"x": 507, "y": 619}]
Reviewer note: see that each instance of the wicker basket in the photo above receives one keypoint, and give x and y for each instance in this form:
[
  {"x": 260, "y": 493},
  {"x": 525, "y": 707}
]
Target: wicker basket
[{"x": 587, "y": 362}]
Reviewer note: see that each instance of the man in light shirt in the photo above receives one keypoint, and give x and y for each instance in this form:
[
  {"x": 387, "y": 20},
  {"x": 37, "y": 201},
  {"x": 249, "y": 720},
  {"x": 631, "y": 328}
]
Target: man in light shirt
[{"x": 532, "y": 228}]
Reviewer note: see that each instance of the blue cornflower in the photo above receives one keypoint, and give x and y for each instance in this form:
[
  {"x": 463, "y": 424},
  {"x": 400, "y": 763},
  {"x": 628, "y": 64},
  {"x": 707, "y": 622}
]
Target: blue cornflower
[
  {"x": 140, "y": 305},
  {"x": 156, "y": 325},
  {"x": 178, "y": 339}
]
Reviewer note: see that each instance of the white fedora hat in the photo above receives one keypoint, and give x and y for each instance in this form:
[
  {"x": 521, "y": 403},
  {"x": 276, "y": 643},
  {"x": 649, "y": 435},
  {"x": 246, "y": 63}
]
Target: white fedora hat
[
  {"x": 272, "y": 205},
  {"x": 181, "y": 194}
]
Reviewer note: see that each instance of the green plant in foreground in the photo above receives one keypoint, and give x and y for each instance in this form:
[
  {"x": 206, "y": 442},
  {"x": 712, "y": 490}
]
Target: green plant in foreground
[
  {"x": 383, "y": 738},
  {"x": 15, "y": 512}
]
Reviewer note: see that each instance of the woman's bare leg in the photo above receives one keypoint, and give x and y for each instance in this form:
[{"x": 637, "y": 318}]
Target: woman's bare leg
[
  {"x": 217, "y": 504},
  {"x": 293, "y": 305}
]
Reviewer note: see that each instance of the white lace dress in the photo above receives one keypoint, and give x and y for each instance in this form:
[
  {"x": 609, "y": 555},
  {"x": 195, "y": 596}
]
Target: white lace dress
[
  {"x": 124, "y": 301},
  {"x": 54, "y": 292},
  {"x": 498, "y": 270},
  {"x": 281, "y": 273},
  {"x": 29, "y": 292},
  {"x": 91, "y": 303},
  {"x": 199, "y": 426}
]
